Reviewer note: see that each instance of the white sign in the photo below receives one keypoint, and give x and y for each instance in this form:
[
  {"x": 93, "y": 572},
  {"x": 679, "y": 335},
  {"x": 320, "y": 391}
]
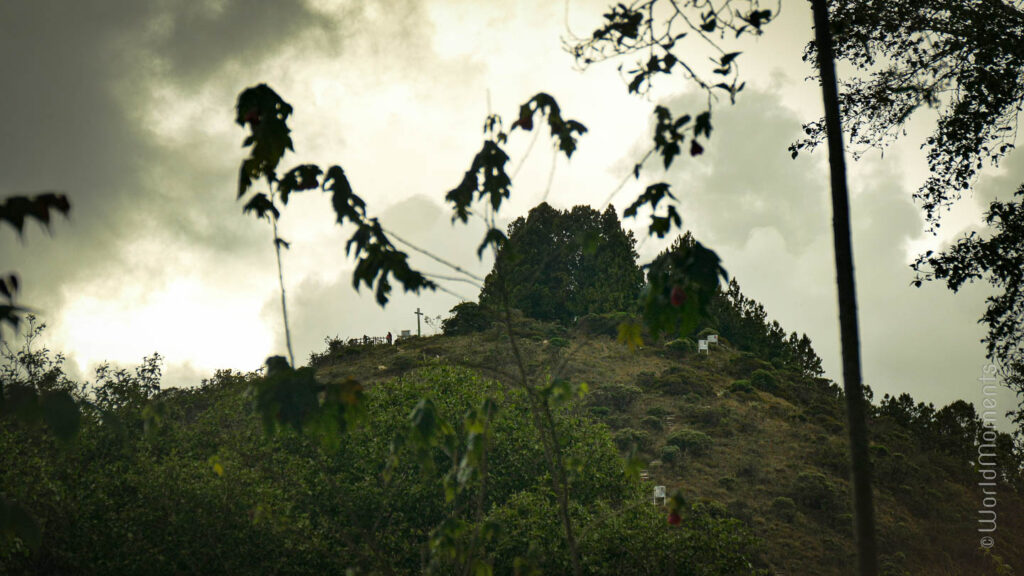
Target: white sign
[
  {"x": 713, "y": 338},
  {"x": 702, "y": 346}
]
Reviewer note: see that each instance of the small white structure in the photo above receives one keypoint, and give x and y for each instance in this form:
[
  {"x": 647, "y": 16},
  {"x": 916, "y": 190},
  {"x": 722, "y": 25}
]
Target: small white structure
[
  {"x": 712, "y": 338},
  {"x": 659, "y": 492},
  {"x": 406, "y": 333},
  {"x": 702, "y": 346}
]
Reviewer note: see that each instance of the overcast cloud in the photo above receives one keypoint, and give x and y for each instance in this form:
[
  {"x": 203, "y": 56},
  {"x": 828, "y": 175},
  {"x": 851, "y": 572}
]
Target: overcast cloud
[{"x": 128, "y": 107}]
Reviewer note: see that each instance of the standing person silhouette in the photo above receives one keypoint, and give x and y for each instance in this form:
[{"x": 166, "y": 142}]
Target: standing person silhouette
[{"x": 389, "y": 338}]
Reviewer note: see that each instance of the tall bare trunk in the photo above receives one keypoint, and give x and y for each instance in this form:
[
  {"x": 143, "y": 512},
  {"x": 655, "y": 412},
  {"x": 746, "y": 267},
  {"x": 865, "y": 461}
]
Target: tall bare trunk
[{"x": 856, "y": 407}]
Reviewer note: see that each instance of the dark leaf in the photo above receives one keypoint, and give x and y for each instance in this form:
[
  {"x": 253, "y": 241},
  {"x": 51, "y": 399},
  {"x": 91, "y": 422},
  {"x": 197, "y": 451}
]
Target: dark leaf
[
  {"x": 262, "y": 206},
  {"x": 304, "y": 177},
  {"x": 495, "y": 238}
]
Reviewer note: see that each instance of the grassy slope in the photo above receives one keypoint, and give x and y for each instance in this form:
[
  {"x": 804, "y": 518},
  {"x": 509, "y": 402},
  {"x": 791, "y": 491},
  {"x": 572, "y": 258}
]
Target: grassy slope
[{"x": 765, "y": 448}]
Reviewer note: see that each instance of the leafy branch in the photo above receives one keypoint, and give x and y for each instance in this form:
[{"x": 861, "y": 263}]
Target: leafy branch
[{"x": 377, "y": 260}]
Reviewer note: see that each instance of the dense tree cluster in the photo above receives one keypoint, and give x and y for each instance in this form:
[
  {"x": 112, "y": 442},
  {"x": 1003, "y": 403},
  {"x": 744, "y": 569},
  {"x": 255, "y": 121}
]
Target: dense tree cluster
[{"x": 559, "y": 265}]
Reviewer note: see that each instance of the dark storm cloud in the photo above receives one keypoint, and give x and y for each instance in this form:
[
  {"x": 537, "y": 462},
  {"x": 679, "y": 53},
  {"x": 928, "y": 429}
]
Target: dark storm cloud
[{"x": 74, "y": 73}]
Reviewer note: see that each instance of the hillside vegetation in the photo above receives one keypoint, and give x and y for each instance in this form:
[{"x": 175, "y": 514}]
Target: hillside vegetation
[
  {"x": 752, "y": 444},
  {"x": 766, "y": 446}
]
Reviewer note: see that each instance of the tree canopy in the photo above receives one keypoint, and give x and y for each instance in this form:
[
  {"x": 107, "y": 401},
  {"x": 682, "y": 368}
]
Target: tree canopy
[
  {"x": 562, "y": 264},
  {"x": 963, "y": 57}
]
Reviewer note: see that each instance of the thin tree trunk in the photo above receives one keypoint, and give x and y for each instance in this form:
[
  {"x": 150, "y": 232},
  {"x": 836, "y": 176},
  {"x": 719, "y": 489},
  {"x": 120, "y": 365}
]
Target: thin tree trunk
[
  {"x": 284, "y": 306},
  {"x": 863, "y": 506}
]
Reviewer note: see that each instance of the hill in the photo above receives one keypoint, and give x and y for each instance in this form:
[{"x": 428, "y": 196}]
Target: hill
[
  {"x": 752, "y": 446},
  {"x": 765, "y": 445}
]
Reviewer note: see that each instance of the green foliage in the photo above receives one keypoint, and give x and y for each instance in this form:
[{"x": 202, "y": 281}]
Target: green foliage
[
  {"x": 680, "y": 284},
  {"x": 741, "y": 387},
  {"x": 691, "y": 442},
  {"x": 630, "y": 437},
  {"x": 658, "y": 411},
  {"x": 682, "y": 346},
  {"x": 629, "y": 539},
  {"x": 913, "y": 54},
  {"x": 34, "y": 388},
  {"x": 618, "y": 397},
  {"x": 765, "y": 381},
  {"x": 784, "y": 509},
  {"x": 604, "y": 324},
  {"x": 558, "y": 342},
  {"x": 683, "y": 380},
  {"x": 561, "y": 265},
  {"x": 814, "y": 491},
  {"x": 293, "y": 398},
  {"x": 467, "y": 318},
  {"x": 207, "y": 488},
  {"x": 671, "y": 454},
  {"x": 709, "y": 417},
  {"x": 653, "y": 423}
]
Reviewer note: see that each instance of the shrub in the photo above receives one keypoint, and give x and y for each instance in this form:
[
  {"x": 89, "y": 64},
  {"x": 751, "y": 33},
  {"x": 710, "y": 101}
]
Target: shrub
[
  {"x": 558, "y": 342},
  {"x": 765, "y": 381},
  {"x": 659, "y": 411},
  {"x": 617, "y": 420},
  {"x": 683, "y": 380},
  {"x": 599, "y": 411},
  {"x": 671, "y": 454},
  {"x": 708, "y": 416},
  {"x": 727, "y": 482},
  {"x": 784, "y": 509},
  {"x": 466, "y": 318},
  {"x": 744, "y": 364},
  {"x": 814, "y": 491},
  {"x": 692, "y": 442},
  {"x": 741, "y": 387},
  {"x": 616, "y": 396},
  {"x": 628, "y": 437},
  {"x": 646, "y": 379},
  {"x": 682, "y": 346},
  {"x": 833, "y": 455},
  {"x": 653, "y": 422}
]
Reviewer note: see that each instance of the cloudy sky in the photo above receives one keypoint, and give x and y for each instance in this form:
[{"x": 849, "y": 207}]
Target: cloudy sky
[{"x": 127, "y": 106}]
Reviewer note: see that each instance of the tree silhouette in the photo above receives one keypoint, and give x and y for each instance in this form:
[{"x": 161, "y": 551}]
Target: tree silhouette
[
  {"x": 566, "y": 264},
  {"x": 962, "y": 57}
]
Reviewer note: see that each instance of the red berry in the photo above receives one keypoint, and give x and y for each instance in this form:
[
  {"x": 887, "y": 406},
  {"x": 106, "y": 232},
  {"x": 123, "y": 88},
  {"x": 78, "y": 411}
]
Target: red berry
[
  {"x": 678, "y": 296},
  {"x": 675, "y": 519}
]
